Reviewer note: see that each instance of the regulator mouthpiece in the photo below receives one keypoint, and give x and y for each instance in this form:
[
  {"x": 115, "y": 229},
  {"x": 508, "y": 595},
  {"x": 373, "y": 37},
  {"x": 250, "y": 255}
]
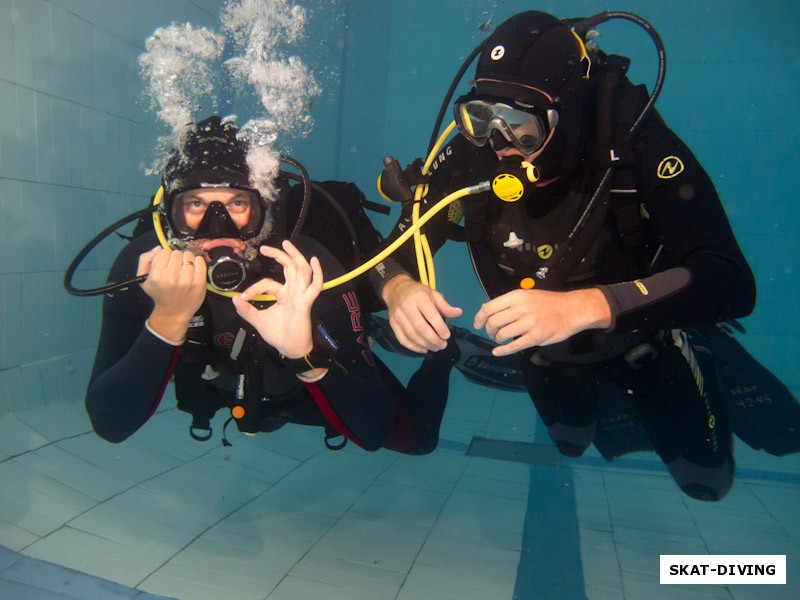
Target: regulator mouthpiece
[
  {"x": 227, "y": 271},
  {"x": 514, "y": 179}
]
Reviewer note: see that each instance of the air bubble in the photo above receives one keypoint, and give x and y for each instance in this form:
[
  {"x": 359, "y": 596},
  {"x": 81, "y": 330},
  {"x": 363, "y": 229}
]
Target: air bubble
[{"x": 182, "y": 66}]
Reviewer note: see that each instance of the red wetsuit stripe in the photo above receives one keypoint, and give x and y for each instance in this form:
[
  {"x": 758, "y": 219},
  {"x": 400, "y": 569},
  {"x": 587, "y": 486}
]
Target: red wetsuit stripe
[
  {"x": 164, "y": 385},
  {"x": 404, "y": 437}
]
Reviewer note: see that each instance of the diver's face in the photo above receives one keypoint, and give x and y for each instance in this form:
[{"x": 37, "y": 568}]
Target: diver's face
[
  {"x": 511, "y": 151},
  {"x": 196, "y": 202},
  {"x": 505, "y": 149}
]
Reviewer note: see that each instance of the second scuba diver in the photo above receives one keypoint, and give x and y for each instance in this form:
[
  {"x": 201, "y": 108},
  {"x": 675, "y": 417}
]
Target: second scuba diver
[
  {"x": 302, "y": 358},
  {"x": 591, "y": 280}
]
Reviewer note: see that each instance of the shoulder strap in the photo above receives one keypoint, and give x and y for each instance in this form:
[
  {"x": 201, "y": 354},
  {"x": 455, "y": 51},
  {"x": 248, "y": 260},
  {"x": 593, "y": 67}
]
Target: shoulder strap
[
  {"x": 624, "y": 192},
  {"x": 624, "y": 199}
]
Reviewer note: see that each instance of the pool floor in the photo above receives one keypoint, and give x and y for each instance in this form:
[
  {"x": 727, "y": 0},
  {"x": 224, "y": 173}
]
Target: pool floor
[{"x": 492, "y": 514}]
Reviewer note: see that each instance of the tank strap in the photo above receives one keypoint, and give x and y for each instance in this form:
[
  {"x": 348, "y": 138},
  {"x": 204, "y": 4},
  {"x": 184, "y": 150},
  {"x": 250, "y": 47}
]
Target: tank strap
[
  {"x": 625, "y": 199},
  {"x": 625, "y": 194}
]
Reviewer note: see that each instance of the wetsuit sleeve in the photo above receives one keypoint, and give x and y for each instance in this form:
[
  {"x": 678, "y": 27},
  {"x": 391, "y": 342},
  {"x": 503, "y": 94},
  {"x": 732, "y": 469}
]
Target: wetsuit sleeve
[
  {"x": 352, "y": 395},
  {"x": 132, "y": 366},
  {"x": 698, "y": 272},
  {"x": 455, "y": 167}
]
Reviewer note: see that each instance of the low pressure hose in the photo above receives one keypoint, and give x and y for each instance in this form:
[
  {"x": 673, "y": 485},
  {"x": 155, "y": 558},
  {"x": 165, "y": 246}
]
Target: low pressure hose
[
  {"x": 427, "y": 275},
  {"x": 479, "y": 188}
]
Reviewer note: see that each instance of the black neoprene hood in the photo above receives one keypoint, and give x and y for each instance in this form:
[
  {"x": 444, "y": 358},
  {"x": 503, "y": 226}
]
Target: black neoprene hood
[
  {"x": 535, "y": 53},
  {"x": 211, "y": 154}
]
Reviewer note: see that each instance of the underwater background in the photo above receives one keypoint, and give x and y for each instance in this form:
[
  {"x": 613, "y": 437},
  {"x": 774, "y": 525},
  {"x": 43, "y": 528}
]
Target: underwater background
[{"x": 76, "y": 135}]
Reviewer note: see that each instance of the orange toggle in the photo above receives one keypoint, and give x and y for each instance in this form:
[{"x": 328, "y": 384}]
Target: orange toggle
[
  {"x": 237, "y": 412},
  {"x": 527, "y": 284}
]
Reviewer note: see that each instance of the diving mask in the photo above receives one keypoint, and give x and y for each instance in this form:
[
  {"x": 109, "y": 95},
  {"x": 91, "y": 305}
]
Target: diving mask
[
  {"x": 236, "y": 211},
  {"x": 526, "y": 129},
  {"x": 221, "y": 222}
]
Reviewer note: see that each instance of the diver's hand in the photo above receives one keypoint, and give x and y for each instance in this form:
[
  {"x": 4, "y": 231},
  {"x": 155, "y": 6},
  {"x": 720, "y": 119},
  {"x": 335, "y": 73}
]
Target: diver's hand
[
  {"x": 539, "y": 318},
  {"x": 286, "y": 324},
  {"x": 176, "y": 281},
  {"x": 417, "y": 314}
]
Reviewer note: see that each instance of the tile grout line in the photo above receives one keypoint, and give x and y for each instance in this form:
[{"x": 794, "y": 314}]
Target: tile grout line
[
  {"x": 328, "y": 530},
  {"x": 231, "y": 513},
  {"x": 48, "y": 444},
  {"x": 432, "y": 527},
  {"x": 66, "y": 525}
]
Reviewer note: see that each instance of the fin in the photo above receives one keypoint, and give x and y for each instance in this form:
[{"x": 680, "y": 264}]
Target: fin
[
  {"x": 478, "y": 365},
  {"x": 763, "y": 412},
  {"x": 475, "y": 361},
  {"x": 619, "y": 426},
  {"x": 380, "y": 332}
]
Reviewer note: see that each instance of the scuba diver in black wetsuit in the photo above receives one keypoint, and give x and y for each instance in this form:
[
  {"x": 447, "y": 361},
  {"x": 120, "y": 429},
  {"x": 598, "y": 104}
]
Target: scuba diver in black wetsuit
[
  {"x": 601, "y": 236},
  {"x": 299, "y": 357}
]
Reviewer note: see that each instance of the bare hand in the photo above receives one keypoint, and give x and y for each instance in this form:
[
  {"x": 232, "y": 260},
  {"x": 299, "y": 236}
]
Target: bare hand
[
  {"x": 176, "y": 281},
  {"x": 417, "y": 314},
  {"x": 286, "y": 324},
  {"x": 538, "y": 318}
]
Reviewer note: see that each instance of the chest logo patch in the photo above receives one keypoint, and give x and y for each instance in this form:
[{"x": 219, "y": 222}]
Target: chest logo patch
[
  {"x": 545, "y": 251},
  {"x": 225, "y": 339},
  {"x": 498, "y": 52},
  {"x": 670, "y": 167}
]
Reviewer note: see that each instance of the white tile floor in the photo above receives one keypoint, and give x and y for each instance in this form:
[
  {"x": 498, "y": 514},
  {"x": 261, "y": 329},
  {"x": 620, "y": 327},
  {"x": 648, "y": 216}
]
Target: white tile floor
[{"x": 278, "y": 517}]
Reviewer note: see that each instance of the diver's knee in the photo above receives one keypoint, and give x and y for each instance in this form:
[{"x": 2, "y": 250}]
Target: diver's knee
[
  {"x": 570, "y": 449},
  {"x": 427, "y": 443},
  {"x": 705, "y": 493},
  {"x": 571, "y": 441},
  {"x": 426, "y": 448},
  {"x": 709, "y": 484}
]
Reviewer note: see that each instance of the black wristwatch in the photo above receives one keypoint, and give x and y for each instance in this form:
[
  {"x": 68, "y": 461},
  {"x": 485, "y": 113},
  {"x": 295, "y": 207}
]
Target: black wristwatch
[{"x": 321, "y": 355}]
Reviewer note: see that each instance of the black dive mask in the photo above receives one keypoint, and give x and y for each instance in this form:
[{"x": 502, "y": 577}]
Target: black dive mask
[
  {"x": 216, "y": 224},
  {"x": 231, "y": 252}
]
